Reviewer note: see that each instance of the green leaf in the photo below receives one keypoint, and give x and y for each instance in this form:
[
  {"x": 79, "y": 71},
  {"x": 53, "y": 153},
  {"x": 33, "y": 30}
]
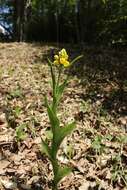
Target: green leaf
[
  {"x": 45, "y": 148},
  {"x": 104, "y": 1},
  {"x": 62, "y": 172},
  {"x": 59, "y": 135},
  {"x": 69, "y": 151},
  {"x": 52, "y": 117},
  {"x": 76, "y": 59},
  {"x": 48, "y": 134},
  {"x": 20, "y": 133},
  {"x": 108, "y": 137},
  {"x": 17, "y": 93},
  {"x": 17, "y": 111},
  {"x": 96, "y": 144},
  {"x": 60, "y": 89},
  {"x": 49, "y": 62},
  {"x": 123, "y": 139},
  {"x": 53, "y": 76},
  {"x": 63, "y": 132}
]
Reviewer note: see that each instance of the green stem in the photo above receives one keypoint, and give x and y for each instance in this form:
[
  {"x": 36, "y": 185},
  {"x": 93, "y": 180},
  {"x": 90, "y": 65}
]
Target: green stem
[
  {"x": 59, "y": 74},
  {"x": 54, "y": 186},
  {"x": 53, "y": 148},
  {"x": 54, "y": 96},
  {"x": 55, "y": 171},
  {"x": 53, "y": 85},
  {"x": 54, "y": 105}
]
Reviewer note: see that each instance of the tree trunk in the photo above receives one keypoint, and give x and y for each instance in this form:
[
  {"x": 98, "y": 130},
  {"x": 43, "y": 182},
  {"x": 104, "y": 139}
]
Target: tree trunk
[
  {"x": 81, "y": 20},
  {"x": 21, "y": 9},
  {"x": 84, "y": 9}
]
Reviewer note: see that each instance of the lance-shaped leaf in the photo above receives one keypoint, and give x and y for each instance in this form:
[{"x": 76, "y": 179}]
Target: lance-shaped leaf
[
  {"x": 45, "y": 148},
  {"x": 104, "y": 1},
  {"x": 52, "y": 117},
  {"x": 53, "y": 76},
  {"x": 62, "y": 172},
  {"x": 76, "y": 59},
  {"x": 60, "y": 89},
  {"x": 51, "y": 69},
  {"x": 63, "y": 132}
]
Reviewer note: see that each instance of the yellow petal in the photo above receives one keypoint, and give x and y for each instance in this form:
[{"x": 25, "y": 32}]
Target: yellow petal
[
  {"x": 67, "y": 64},
  {"x": 56, "y": 57},
  {"x": 62, "y": 60},
  {"x": 56, "y": 62},
  {"x": 63, "y": 54}
]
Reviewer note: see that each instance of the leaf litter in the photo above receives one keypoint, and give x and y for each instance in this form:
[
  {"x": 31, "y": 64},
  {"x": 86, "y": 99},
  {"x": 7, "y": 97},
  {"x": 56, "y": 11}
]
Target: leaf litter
[{"x": 97, "y": 150}]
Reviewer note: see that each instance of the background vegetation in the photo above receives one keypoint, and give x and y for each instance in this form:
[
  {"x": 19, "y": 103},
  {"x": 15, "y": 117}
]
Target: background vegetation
[{"x": 75, "y": 21}]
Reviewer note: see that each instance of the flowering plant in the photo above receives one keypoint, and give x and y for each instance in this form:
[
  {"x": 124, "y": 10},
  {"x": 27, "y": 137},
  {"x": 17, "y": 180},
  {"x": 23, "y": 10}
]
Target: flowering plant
[
  {"x": 62, "y": 58},
  {"x": 58, "y": 133}
]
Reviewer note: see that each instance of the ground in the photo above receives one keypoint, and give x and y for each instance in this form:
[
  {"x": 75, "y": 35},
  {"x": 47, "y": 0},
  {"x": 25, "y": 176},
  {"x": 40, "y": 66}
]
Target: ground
[{"x": 96, "y": 98}]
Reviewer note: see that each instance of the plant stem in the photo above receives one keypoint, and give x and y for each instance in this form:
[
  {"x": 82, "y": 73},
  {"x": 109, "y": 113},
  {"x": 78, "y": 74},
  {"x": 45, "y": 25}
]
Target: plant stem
[
  {"x": 55, "y": 86},
  {"x": 55, "y": 171},
  {"x": 54, "y": 186},
  {"x": 59, "y": 74}
]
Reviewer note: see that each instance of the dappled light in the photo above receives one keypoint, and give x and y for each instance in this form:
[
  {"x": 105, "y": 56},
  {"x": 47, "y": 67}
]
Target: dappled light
[
  {"x": 63, "y": 95},
  {"x": 93, "y": 99}
]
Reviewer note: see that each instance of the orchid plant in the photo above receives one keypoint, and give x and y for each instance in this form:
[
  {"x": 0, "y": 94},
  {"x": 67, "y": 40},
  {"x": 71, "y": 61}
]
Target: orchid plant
[{"x": 60, "y": 61}]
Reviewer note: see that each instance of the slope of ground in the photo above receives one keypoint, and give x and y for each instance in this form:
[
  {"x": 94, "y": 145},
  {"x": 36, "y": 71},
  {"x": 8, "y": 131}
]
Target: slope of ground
[{"x": 97, "y": 150}]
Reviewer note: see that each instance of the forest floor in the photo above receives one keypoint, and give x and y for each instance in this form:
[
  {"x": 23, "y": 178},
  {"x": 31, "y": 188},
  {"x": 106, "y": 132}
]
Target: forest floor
[{"x": 96, "y": 98}]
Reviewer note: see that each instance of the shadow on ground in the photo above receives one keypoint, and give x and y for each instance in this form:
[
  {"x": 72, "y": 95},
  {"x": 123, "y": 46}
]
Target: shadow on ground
[{"x": 102, "y": 72}]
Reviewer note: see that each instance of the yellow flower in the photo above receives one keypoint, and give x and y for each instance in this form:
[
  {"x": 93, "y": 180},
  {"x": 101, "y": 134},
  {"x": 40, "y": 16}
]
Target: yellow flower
[
  {"x": 62, "y": 58},
  {"x": 56, "y": 60},
  {"x": 64, "y": 62},
  {"x": 63, "y": 54},
  {"x": 56, "y": 57}
]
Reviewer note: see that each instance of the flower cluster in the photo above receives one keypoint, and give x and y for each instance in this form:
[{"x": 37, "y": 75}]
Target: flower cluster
[{"x": 62, "y": 58}]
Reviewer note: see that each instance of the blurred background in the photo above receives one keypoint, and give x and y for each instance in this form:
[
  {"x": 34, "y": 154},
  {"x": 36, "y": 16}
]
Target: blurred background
[{"x": 69, "y": 21}]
